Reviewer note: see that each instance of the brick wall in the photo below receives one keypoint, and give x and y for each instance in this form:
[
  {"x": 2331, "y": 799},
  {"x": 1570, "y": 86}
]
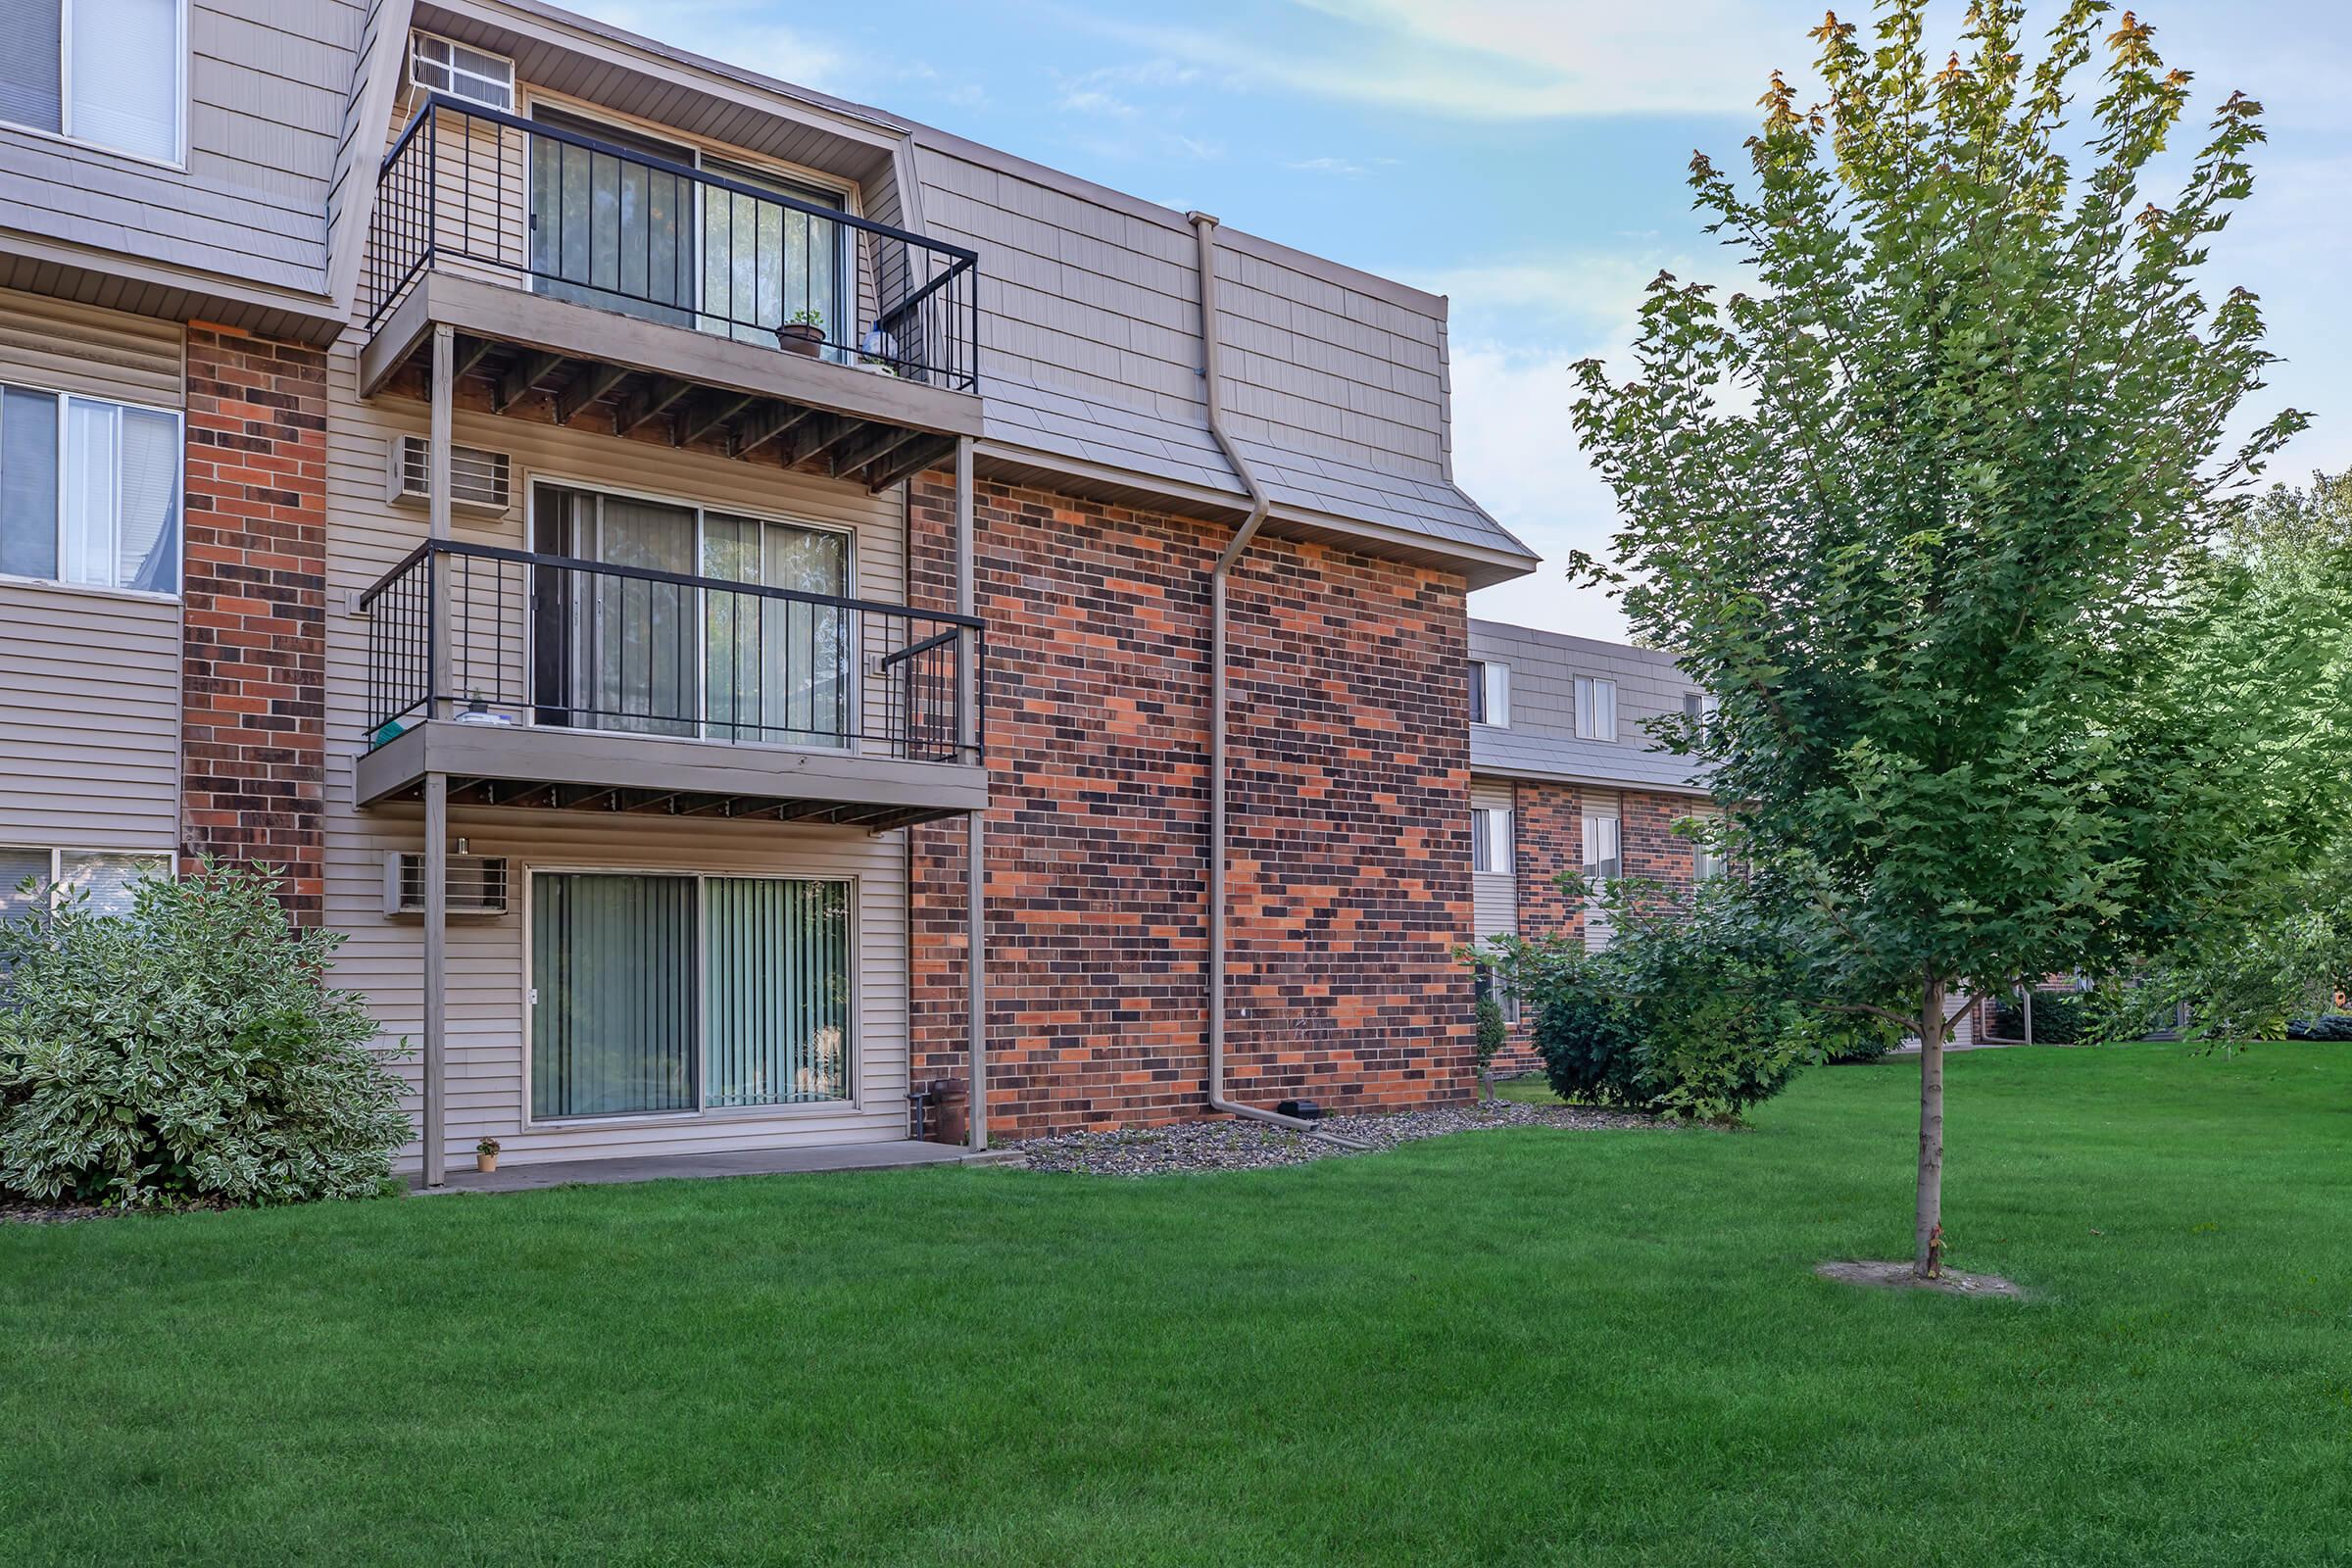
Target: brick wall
[
  {"x": 252, "y": 666},
  {"x": 1351, "y": 881},
  {"x": 1550, "y": 821}
]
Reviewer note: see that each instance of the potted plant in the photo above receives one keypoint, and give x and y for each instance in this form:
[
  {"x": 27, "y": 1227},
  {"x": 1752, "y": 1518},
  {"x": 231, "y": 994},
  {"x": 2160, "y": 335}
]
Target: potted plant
[
  {"x": 485, "y": 1155},
  {"x": 803, "y": 334}
]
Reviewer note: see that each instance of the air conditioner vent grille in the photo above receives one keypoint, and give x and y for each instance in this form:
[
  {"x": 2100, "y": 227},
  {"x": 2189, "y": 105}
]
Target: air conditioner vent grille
[
  {"x": 477, "y": 884},
  {"x": 479, "y": 482}
]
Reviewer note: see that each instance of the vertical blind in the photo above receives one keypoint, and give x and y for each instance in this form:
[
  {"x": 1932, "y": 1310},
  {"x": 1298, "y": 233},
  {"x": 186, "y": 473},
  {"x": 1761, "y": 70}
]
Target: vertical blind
[
  {"x": 776, "y": 977},
  {"x": 630, "y": 1020},
  {"x": 613, "y": 963}
]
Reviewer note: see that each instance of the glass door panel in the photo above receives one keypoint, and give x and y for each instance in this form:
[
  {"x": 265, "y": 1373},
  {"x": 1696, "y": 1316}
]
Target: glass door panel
[
  {"x": 616, "y": 1019},
  {"x": 609, "y": 232},
  {"x": 780, "y": 670},
  {"x": 776, "y": 978}
]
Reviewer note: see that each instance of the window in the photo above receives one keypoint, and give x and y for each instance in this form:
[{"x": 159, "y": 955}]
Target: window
[
  {"x": 1595, "y": 709},
  {"x": 89, "y": 491},
  {"x": 1491, "y": 839},
  {"x": 1489, "y": 693},
  {"x": 655, "y": 657},
  {"x": 1603, "y": 857},
  {"x": 1699, "y": 707},
  {"x": 439, "y": 66},
  {"x": 37, "y": 878},
  {"x": 1706, "y": 863},
  {"x": 104, "y": 72},
  {"x": 1604, "y": 863},
  {"x": 673, "y": 995},
  {"x": 1484, "y": 986}
]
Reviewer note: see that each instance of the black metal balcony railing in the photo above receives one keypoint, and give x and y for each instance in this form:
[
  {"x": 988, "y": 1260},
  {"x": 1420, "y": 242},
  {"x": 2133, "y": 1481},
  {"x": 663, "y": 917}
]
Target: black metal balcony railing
[
  {"x": 474, "y": 189},
  {"x": 537, "y": 639}
]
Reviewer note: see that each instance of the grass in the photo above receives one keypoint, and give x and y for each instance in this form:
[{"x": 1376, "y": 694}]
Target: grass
[{"x": 1503, "y": 1348}]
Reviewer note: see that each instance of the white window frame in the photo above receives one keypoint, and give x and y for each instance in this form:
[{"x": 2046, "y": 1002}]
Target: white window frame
[
  {"x": 534, "y": 478},
  {"x": 1492, "y": 983},
  {"x": 65, "y": 98},
  {"x": 513, "y": 85},
  {"x": 57, "y": 864},
  {"x": 179, "y": 494},
  {"x": 1492, "y": 833},
  {"x": 1588, "y": 719},
  {"x": 1590, "y": 830},
  {"x": 853, "y": 1046},
  {"x": 1491, "y": 679}
]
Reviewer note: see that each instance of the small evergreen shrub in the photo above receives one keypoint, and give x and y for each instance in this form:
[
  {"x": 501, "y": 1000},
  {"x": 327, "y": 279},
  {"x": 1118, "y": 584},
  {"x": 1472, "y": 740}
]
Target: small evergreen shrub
[
  {"x": 187, "y": 1051},
  {"x": 2328, "y": 1026}
]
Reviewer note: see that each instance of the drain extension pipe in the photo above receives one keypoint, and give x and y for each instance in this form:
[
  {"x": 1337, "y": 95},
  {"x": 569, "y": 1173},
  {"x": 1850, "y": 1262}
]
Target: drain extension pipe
[{"x": 1204, "y": 230}]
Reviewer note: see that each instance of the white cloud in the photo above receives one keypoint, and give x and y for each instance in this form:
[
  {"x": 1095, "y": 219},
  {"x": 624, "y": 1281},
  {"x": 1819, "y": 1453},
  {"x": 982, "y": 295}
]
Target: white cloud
[
  {"x": 1502, "y": 59},
  {"x": 1326, "y": 166}
]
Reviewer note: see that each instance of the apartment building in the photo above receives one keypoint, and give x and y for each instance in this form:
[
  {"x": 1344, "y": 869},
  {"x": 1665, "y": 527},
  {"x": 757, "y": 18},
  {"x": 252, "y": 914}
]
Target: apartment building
[
  {"x": 1566, "y": 778},
  {"x": 630, "y": 538}
]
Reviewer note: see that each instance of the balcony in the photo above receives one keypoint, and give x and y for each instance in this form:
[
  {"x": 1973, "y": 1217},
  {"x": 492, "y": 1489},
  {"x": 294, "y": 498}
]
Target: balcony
[
  {"x": 586, "y": 685},
  {"x": 608, "y": 286}
]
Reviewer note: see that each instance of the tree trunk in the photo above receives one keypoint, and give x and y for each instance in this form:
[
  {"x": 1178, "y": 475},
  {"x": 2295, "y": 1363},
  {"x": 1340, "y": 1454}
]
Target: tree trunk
[{"x": 1927, "y": 1260}]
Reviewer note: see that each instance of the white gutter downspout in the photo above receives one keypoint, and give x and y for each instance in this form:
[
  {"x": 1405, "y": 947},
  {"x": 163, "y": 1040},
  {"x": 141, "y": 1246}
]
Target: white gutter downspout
[{"x": 1205, "y": 229}]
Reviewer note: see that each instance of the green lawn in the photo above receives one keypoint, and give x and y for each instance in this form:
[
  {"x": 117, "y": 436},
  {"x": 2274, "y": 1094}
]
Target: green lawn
[{"x": 1525, "y": 1346}]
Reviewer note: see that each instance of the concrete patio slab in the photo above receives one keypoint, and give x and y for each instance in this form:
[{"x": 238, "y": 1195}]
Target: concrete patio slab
[{"x": 897, "y": 1154}]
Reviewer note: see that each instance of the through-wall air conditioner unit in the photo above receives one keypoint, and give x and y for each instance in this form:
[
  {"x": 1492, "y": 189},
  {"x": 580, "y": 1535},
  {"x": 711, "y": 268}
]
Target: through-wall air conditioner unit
[
  {"x": 477, "y": 884},
  {"x": 481, "y": 485}
]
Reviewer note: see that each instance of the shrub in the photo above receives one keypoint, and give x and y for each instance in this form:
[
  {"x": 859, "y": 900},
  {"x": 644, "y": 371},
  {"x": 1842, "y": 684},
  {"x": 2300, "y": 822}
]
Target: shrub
[
  {"x": 1686, "y": 1013},
  {"x": 1493, "y": 1033},
  {"x": 187, "y": 1051},
  {"x": 2328, "y": 1026},
  {"x": 2059, "y": 1018}
]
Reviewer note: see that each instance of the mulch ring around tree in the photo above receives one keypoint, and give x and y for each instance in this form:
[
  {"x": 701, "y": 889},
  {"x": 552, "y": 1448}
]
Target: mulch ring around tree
[{"x": 1897, "y": 1276}]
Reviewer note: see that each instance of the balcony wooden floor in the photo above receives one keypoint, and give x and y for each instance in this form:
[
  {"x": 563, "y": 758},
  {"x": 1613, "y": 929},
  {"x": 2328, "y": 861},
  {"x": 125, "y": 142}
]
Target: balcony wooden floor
[{"x": 600, "y": 369}]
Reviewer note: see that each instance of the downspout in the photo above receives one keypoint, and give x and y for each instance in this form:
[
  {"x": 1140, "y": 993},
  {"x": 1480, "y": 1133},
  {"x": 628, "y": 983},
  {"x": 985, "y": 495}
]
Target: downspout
[{"x": 1204, "y": 230}]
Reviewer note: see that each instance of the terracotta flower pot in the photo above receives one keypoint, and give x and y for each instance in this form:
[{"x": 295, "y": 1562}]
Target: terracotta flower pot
[
  {"x": 485, "y": 1164},
  {"x": 804, "y": 338}
]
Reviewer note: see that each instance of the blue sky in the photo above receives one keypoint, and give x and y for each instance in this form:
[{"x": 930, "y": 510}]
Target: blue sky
[{"x": 1524, "y": 156}]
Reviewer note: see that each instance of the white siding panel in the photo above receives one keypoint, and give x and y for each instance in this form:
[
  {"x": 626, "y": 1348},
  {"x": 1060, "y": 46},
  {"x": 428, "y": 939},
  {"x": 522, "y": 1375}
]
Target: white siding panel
[
  {"x": 79, "y": 348},
  {"x": 1494, "y": 895},
  {"x": 89, "y": 681},
  {"x": 89, "y": 719}
]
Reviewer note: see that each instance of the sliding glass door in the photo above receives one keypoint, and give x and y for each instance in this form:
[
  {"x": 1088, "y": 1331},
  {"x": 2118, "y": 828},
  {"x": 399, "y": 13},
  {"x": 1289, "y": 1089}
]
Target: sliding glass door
[
  {"x": 618, "y": 1007},
  {"x": 609, "y": 232},
  {"x": 779, "y": 668},
  {"x": 651, "y": 657},
  {"x": 661, "y": 994}
]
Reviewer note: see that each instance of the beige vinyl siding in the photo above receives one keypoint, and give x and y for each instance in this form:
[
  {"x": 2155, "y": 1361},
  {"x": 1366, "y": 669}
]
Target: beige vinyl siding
[
  {"x": 89, "y": 680},
  {"x": 1494, "y": 895},
  {"x": 488, "y": 965},
  {"x": 53, "y": 343}
]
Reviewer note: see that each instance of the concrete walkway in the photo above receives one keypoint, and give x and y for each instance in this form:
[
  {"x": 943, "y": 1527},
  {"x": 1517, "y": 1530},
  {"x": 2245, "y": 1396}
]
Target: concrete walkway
[{"x": 511, "y": 1178}]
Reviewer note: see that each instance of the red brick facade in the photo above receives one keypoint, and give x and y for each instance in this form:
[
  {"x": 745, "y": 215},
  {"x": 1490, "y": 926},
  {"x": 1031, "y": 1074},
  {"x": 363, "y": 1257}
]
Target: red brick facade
[
  {"x": 253, "y": 663},
  {"x": 1550, "y": 823},
  {"x": 1349, "y": 811}
]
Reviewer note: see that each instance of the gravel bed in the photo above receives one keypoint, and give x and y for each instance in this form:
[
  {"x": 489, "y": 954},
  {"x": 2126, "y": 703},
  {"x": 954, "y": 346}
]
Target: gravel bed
[
  {"x": 23, "y": 1211},
  {"x": 1211, "y": 1145}
]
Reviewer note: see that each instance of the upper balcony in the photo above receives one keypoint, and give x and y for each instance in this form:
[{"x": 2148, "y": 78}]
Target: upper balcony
[
  {"x": 611, "y": 286},
  {"x": 536, "y": 679}
]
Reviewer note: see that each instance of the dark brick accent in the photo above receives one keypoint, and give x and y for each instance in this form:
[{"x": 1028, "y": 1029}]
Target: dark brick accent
[
  {"x": 1349, "y": 811},
  {"x": 253, "y": 663}
]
